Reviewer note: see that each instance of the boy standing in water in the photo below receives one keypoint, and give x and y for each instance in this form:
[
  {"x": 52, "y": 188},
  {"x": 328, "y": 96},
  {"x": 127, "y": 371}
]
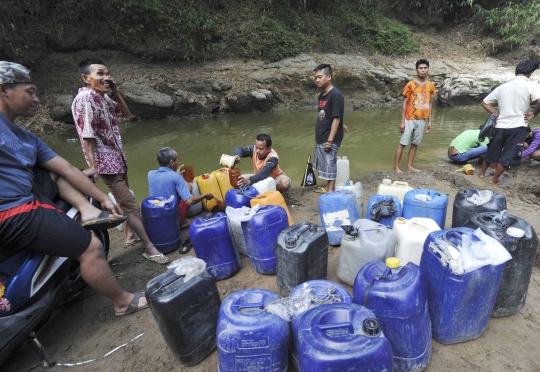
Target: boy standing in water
[{"x": 415, "y": 111}]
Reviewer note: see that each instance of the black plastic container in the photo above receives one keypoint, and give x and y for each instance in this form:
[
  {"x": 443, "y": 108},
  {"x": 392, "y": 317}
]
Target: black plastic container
[
  {"x": 302, "y": 255},
  {"x": 463, "y": 209},
  {"x": 517, "y": 272},
  {"x": 186, "y": 314}
]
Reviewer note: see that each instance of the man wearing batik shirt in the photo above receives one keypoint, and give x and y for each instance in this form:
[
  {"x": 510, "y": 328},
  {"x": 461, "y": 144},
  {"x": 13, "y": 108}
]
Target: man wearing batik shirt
[{"x": 96, "y": 119}]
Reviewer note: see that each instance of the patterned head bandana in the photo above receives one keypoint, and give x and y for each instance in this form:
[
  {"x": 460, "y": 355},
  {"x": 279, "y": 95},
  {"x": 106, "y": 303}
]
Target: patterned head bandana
[{"x": 11, "y": 72}]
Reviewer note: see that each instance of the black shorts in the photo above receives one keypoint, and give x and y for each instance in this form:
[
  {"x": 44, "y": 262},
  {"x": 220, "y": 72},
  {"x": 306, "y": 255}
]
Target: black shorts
[
  {"x": 503, "y": 147},
  {"x": 38, "y": 226}
]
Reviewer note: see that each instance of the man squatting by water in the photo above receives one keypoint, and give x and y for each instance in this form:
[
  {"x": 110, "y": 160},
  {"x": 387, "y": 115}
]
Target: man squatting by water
[
  {"x": 415, "y": 111},
  {"x": 514, "y": 101},
  {"x": 31, "y": 176},
  {"x": 329, "y": 127},
  {"x": 265, "y": 163},
  {"x": 96, "y": 119}
]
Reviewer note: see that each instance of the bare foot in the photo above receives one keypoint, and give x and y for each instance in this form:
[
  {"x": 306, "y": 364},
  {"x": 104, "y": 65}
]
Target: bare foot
[
  {"x": 413, "y": 169},
  {"x": 497, "y": 182},
  {"x": 398, "y": 171},
  {"x": 481, "y": 175}
]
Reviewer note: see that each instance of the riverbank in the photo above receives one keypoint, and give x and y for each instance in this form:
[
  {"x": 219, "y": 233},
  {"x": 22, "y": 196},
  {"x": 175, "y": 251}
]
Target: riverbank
[
  {"x": 89, "y": 329},
  {"x": 462, "y": 69}
]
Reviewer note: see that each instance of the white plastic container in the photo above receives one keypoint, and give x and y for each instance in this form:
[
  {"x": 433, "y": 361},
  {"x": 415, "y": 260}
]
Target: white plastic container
[
  {"x": 227, "y": 161},
  {"x": 411, "y": 235},
  {"x": 358, "y": 191},
  {"x": 196, "y": 208},
  {"x": 268, "y": 184},
  {"x": 397, "y": 189},
  {"x": 342, "y": 170},
  {"x": 111, "y": 197},
  {"x": 369, "y": 241}
]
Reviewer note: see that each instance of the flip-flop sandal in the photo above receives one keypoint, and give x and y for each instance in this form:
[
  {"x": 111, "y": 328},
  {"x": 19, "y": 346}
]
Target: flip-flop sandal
[
  {"x": 104, "y": 221},
  {"x": 320, "y": 190},
  {"x": 186, "y": 246},
  {"x": 149, "y": 258},
  {"x": 133, "y": 306}
]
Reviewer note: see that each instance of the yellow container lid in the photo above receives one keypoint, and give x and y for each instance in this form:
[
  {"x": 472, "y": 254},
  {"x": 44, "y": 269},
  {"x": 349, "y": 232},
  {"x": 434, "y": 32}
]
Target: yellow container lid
[{"x": 392, "y": 262}]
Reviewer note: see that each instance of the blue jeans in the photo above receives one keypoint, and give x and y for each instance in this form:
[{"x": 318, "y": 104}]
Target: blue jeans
[{"x": 470, "y": 154}]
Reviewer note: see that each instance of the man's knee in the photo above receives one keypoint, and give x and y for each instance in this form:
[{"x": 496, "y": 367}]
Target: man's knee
[
  {"x": 94, "y": 251},
  {"x": 283, "y": 185}
]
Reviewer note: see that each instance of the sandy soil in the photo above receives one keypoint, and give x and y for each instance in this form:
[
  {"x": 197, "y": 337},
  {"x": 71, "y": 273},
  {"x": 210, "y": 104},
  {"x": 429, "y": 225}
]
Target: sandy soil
[{"x": 88, "y": 329}]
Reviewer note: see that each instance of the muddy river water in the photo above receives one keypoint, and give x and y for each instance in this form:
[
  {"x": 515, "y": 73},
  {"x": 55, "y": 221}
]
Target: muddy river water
[{"x": 370, "y": 143}]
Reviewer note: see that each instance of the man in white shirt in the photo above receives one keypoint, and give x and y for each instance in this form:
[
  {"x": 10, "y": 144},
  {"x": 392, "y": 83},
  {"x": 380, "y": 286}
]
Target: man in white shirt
[{"x": 514, "y": 100}]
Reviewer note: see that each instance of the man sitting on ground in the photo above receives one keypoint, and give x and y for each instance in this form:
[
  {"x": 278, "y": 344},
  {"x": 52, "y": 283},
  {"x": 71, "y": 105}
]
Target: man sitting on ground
[
  {"x": 31, "y": 176},
  {"x": 531, "y": 144},
  {"x": 168, "y": 180},
  {"x": 265, "y": 163},
  {"x": 467, "y": 147}
]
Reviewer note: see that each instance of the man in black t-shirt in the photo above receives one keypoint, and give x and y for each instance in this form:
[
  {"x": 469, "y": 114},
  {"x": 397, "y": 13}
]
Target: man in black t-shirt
[{"x": 328, "y": 129}]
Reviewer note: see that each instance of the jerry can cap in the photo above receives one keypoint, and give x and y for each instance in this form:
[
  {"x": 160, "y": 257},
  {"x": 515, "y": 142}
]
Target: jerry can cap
[
  {"x": 392, "y": 262},
  {"x": 387, "y": 181},
  {"x": 401, "y": 220},
  {"x": 205, "y": 176},
  {"x": 371, "y": 327},
  {"x": 290, "y": 242}
]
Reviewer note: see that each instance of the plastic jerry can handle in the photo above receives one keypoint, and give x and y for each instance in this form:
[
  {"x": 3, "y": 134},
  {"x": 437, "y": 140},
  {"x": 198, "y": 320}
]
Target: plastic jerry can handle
[
  {"x": 327, "y": 327},
  {"x": 256, "y": 305},
  {"x": 401, "y": 183},
  {"x": 453, "y": 237}
]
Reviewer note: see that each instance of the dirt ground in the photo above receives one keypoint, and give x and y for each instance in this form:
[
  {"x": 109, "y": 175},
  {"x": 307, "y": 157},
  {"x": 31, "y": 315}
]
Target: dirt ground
[{"x": 89, "y": 329}]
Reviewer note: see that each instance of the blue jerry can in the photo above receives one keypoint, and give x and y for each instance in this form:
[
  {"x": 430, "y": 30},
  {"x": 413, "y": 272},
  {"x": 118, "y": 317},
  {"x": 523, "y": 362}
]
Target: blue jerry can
[
  {"x": 397, "y": 296},
  {"x": 460, "y": 304},
  {"x": 341, "y": 338},
  {"x": 426, "y": 203},
  {"x": 241, "y": 197},
  {"x": 261, "y": 235},
  {"x": 387, "y": 220},
  {"x": 336, "y": 209},
  {"x": 212, "y": 243},
  {"x": 248, "y": 338},
  {"x": 323, "y": 290},
  {"x": 162, "y": 223}
]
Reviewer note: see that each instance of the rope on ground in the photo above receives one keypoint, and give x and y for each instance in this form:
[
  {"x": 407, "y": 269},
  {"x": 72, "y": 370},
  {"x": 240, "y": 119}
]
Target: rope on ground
[{"x": 104, "y": 356}]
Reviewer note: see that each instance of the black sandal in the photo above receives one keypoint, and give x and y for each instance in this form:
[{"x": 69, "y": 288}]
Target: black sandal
[{"x": 186, "y": 246}]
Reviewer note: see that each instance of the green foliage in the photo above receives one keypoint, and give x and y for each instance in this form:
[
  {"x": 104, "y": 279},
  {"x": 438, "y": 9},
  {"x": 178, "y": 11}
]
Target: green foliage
[
  {"x": 394, "y": 38},
  {"x": 516, "y": 23},
  {"x": 272, "y": 41}
]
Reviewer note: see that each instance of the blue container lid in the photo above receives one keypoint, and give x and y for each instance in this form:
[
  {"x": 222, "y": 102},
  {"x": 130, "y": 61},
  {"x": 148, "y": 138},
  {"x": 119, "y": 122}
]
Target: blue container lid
[{"x": 438, "y": 200}]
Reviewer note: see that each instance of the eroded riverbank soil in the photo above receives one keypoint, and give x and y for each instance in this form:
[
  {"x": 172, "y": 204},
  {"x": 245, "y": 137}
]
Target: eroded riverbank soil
[{"x": 88, "y": 329}]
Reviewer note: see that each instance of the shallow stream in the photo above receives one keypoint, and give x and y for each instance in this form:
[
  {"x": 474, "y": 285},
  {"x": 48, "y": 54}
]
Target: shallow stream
[{"x": 370, "y": 143}]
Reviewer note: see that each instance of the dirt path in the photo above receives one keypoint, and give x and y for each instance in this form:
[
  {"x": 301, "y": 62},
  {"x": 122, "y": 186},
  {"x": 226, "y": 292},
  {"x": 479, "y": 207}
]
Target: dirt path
[{"x": 89, "y": 329}]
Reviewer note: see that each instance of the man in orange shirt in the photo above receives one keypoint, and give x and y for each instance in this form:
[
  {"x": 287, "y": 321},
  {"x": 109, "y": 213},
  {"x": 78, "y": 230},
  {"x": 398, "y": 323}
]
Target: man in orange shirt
[
  {"x": 265, "y": 163},
  {"x": 415, "y": 111}
]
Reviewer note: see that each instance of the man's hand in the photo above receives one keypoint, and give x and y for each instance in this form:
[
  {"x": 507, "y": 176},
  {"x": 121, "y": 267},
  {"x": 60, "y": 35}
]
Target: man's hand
[
  {"x": 328, "y": 146},
  {"x": 529, "y": 116},
  {"x": 237, "y": 159},
  {"x": 106, "y": 203},
  {"x": 243, "y": 181},
  {"x": 91, "y": 173},
  {"x": 112, "y": 84},
  {"x": 208, "y": 196},
  {"x": 402, "y": 126},
  {"x": 345, "y": 128},
  {"x": 180, "y": 169},
  {"x": 428, "y": 129}
]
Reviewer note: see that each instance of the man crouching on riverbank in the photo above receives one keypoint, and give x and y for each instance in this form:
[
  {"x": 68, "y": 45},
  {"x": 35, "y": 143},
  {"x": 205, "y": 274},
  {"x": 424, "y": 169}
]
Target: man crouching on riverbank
[
  {"x": 265, "y": 163},
  {"x": 31, "y": 176},
  {"x": 415, "y": 114},
  {"x": 96, "y": 119}
]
